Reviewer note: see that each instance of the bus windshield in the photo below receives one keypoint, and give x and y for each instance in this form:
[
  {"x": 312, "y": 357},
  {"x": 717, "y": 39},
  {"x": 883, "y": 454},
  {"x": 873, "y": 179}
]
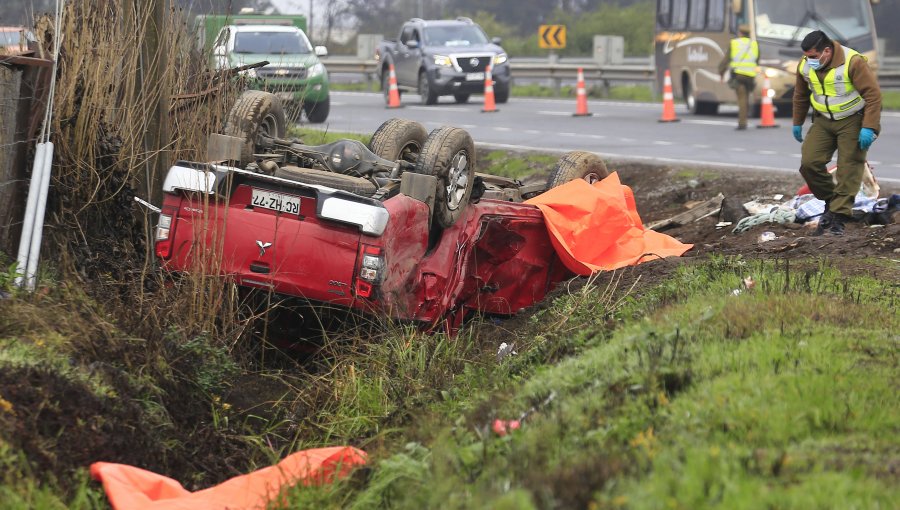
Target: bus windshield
[{"x": 842, "y": 20}]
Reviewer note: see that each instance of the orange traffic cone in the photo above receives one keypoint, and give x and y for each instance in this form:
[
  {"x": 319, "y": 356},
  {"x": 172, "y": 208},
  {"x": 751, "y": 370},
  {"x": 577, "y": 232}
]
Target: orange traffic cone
[
  {"x": 489, "y": 106},
  {"x": 393, "y": 91},
  {"x": 668, "y": 101},
  {"x": 766, "y": 114},
  {"x": 581, "y": 109}
]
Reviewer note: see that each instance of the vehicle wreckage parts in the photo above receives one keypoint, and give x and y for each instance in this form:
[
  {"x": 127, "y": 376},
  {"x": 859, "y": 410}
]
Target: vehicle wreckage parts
[
  {"x": 449, "y": 155},
  {"x": 399, "y": 139},
  {"x": 577, "y": 165},
  {"x": 254, "y": 113},
  {"x": 356, "y": 185},
  {"x": 317, "y": 112}
]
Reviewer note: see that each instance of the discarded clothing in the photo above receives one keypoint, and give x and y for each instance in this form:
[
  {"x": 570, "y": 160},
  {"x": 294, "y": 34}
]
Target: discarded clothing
[
  {"x": 596, "y": 227},
  {"x": 132, "y": 488},
  {"x": 777, "y": 215}
]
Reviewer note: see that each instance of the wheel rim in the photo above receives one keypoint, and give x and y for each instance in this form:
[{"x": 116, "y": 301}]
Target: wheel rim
[
  {"x": 410, "y": 152},
  {"x": 457, "y": 180},
  {"x": 592, "y": 177}
]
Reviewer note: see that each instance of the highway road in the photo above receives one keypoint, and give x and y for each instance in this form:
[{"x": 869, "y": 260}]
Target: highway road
[{"x": 617, "y": 131}]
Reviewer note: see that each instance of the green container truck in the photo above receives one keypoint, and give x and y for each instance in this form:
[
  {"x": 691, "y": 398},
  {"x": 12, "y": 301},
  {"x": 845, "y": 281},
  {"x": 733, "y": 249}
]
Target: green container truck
[{"x": 294, "y": 73}]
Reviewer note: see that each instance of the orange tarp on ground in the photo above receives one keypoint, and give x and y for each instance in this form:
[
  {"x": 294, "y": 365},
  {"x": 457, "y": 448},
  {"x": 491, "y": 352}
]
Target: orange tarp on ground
[
  {"x": 131, "y": 488},
  {"x": 596, "y": 227}
]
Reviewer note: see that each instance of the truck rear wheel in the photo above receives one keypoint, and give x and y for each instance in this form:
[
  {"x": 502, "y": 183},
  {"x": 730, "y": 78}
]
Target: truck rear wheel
[
  {"x": 254, "y": 113},
  {"x": 577, "y": 165},
  {"x": 399, "y": 139},
  {"x": 449, "y": 155},
  {"x": 349, "y": 183}
]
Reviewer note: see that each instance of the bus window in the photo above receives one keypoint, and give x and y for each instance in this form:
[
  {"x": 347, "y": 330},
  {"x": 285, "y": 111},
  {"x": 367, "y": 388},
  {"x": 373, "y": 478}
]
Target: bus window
[
  {"x": 697, "y": 19},
  {"x": 715, "y": 19},
  {"x": 679, "y": 14},
  {"x": 663, "y": 14}
]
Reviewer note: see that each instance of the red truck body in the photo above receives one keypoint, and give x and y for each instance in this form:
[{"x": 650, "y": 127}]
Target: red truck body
[{"x": 334, "y": 247}]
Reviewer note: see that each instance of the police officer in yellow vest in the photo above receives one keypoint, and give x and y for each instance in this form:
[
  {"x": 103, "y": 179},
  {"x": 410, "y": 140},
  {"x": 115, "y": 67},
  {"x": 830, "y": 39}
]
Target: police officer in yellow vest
[
  {"x": 742, "y": 58},
  {"x": 846, "y": 102}
]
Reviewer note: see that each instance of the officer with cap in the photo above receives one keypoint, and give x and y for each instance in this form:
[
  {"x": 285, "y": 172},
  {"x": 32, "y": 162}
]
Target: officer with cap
[
  {"x": 742, "y": 59},
  {"x": 846, "y": 102}
]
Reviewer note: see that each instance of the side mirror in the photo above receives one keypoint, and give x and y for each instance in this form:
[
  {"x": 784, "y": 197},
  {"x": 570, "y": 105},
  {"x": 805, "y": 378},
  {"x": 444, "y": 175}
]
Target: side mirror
[
  {"x": 496, "y": 40},
  {"x": 321, "y": 51},
  {"x": 412, "y": 44}
]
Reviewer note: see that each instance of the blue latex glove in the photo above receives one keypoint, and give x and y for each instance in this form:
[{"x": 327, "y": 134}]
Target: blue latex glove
[
  {"x": 866, "y": 137},
  {"x": 798, "y": 133}
]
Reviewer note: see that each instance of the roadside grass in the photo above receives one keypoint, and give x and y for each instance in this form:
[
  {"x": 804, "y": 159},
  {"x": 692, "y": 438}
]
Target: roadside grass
[
  {"x": 618, "y": 92},
  {"x": 890, "y": 99},
  {"x": 500, "y": 163},
  {"x": 709, "y": 394},
  {"x": 312, "y": 136}
]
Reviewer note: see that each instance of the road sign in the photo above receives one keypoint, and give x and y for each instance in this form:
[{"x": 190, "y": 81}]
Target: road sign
[{"x": 552, "y": 37}]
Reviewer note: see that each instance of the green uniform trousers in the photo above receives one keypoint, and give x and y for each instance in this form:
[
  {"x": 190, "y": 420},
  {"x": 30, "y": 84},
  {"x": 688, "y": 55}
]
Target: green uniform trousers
[
  {"x": 744, "y": 86},
  {"x": 824, "y": 137}
]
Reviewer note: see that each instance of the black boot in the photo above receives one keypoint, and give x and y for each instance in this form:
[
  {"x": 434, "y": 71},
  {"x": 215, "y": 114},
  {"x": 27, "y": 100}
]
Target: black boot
[
  {"x": 837, "y": 225},
  {"x": 824, "y": 222}
]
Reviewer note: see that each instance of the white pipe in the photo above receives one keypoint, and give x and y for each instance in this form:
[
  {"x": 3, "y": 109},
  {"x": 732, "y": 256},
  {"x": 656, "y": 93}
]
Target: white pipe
[
  {"x": 31, "y": 205},
  {"x": 34, "y": 252}
]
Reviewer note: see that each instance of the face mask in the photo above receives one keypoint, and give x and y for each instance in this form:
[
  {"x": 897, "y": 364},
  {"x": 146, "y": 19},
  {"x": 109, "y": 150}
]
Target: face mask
[{"x": 814, "y": 63}]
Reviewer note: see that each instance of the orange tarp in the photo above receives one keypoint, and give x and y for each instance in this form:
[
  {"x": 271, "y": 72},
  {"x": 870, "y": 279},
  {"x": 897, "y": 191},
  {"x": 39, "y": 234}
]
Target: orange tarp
[
  {"x": 596, "y": 227},
  {"x": 131, "y": 488}
]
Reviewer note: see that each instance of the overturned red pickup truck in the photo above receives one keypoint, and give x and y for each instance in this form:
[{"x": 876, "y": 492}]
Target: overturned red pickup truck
[{"x": 404, "y": 227}]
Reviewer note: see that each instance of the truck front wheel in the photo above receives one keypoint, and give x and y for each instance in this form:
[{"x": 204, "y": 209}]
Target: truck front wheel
[
  {"x": 254, "y": 113},
  {"x": 426, "y": 90},
  {"x": 577, "y": 165},
  {"x": 317, "y": 112},
  {"x": 449, "y": 155}
]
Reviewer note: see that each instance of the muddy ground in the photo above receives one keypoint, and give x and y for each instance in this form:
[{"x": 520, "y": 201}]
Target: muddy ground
[{"x": 660, "y": 192}]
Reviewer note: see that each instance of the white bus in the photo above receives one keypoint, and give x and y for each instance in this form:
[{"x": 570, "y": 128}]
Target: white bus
[{"x": 693, "y": 36}]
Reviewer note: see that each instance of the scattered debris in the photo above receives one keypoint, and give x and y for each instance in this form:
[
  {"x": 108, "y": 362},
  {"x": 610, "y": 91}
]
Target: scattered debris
[
  {"x": 505, "y": 351},
  {"x": 767, "y": 236},
  {"x": 503, "y": 427},
  {"x": 700, "y": 211},
  {"x": 723, "y": 224},
  {"x": 746, "y": 284},
  {"x": 777, "y": 215}
]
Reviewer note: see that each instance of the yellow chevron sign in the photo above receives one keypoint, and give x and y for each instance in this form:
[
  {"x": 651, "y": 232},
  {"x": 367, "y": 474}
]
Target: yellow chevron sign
[{"x": 552, "y": 37}]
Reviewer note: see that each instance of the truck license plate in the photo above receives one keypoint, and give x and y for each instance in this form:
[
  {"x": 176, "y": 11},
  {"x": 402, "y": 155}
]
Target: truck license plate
[
  {"x": 276, "y": 201},
  {"x": 474, "y": 76}
]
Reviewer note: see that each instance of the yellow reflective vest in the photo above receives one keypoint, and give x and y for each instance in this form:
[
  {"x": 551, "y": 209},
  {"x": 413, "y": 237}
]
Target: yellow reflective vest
[
  {"x": 834, "y": 96},
  {"x": 744, "y": 55}
]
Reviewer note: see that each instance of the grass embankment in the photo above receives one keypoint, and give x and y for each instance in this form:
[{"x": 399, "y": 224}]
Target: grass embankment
[
  {"x": 681, "y": 395},
  {"x": 708, "y": 394}
]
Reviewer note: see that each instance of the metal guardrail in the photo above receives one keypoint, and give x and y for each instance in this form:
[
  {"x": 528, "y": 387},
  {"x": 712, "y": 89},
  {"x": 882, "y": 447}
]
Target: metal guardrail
[{"x": 635, "y": 70}]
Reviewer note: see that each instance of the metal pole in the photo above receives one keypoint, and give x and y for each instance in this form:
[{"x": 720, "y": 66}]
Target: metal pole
[
  {"x": 30, "y": 207},
  {"x": 34, "y": 252}
]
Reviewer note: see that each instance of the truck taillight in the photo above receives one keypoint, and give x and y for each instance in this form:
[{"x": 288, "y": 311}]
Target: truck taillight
[
  {"x": 164, "y": 233},
  {"x": 371, "y": 270}
]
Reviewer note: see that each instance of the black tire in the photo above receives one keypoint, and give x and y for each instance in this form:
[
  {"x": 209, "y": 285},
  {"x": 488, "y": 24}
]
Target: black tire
[
  {"x": 399, "y": 139},
  {"x": 784, "y": 109},
  {"x": 501, "y": 94},
  {"x": 461, "y": 98},
  {"x": 426, "y": 90},
  {"x": 317, "y": 112},
  {"x": 449, "y": 155},
  {"x": 254, "y": 113},
  {"x": 349, "y": 183},
  {"x": 577, "y": 165}
]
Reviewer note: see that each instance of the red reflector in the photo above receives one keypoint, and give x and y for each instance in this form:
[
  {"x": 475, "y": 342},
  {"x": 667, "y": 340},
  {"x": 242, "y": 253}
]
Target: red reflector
[
  {"x": 164, "y": 249},
  {"x": 363, "y": 289}
]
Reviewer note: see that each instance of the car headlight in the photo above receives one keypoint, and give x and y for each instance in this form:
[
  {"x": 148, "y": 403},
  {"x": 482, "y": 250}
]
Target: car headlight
[
  {"x": 315, "y": 70},
  {"x": 772, "y": 72},
  {"x": 500, "y": 58},
  {"x": 442, "y": 60}
]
